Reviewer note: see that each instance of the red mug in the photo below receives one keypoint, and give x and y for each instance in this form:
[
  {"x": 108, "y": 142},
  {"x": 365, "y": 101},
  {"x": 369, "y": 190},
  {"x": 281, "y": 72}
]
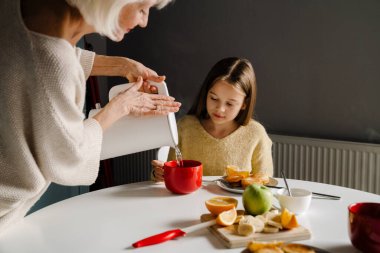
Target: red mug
[
  {"x": 364, "y": 226},
  {"x": 184, "y": 179}
]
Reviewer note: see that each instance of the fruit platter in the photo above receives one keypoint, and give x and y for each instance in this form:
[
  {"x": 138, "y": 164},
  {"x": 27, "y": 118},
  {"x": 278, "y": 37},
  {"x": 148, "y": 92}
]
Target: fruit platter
[{"x": 238, "y": 228}]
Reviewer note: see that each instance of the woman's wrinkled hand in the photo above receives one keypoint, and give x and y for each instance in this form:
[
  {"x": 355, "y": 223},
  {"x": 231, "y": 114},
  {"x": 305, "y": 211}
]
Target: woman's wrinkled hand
[
  {"x": 158, "y": 170},
  {"x": 134, "y": 102},
  {"x": 135, "y": 69},
  {"x": 137, "y": 103}
]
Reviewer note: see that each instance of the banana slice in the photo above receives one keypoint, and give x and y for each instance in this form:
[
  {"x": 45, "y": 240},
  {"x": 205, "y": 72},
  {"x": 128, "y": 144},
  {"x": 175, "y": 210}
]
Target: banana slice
[
  {"x": 261, "y": 217},
  {"x": 258, "y": 224},
  {"x": 270, "y": 215},
  {"x": 274, "y": 224},
  {"x": 246, "y": 225},
  {"x": 246, "y": 229},
  {"x": 277, "y": 218},
  {"x": 249, "y": 224},
  {"x": 269, "y": 229}
]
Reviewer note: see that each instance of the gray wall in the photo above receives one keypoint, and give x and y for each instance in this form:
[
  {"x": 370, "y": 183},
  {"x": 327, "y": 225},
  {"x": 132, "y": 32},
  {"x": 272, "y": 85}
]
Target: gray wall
[
  {"x": 317, "y": 61},
  {"x": 99, "y": 44}
]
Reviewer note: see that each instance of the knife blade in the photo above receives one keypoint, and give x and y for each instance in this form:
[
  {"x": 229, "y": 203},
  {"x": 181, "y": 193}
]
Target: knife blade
[{"x": 171, "y": 234}]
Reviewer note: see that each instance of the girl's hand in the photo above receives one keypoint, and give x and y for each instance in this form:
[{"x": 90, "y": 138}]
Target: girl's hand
[{"x": 158, "y": 170}]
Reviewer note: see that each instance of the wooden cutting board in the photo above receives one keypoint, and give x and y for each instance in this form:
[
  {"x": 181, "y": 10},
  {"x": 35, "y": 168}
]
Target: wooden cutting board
[{"x": 231, "y": 239}]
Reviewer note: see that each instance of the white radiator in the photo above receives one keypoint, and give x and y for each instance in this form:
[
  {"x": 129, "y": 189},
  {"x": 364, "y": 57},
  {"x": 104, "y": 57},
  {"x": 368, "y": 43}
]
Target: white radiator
[{"x": 348, "y": 164}]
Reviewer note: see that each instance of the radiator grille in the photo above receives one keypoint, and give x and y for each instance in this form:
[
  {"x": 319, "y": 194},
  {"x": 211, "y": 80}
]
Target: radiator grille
[
  {"x": 133, "y": 168},
  {"x": 348, "y": 164}
]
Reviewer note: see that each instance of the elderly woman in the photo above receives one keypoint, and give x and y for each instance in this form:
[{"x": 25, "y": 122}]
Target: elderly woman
[{"x": 44, "y": 137}]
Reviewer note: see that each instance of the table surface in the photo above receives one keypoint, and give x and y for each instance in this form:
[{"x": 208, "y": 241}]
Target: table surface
[{"x": 110, "y": 220}]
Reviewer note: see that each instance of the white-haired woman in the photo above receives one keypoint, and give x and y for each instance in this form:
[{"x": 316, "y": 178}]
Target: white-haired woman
[{"x": 44, "y": 137}]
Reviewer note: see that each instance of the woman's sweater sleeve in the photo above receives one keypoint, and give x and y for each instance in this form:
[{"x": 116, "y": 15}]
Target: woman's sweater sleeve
[
  {"x": 67, "y": 146},
  {"x": 70, "y": 150},
  {"x": 86, "y": 59}
]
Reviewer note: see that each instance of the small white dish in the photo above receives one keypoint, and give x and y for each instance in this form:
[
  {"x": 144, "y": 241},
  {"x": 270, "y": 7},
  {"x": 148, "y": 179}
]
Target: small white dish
[{"x": 298, "y": 203}]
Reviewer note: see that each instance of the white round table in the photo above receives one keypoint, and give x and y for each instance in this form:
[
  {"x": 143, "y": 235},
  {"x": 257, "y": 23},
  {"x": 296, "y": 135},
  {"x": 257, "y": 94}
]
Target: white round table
[{"x": 110, "y": 220}]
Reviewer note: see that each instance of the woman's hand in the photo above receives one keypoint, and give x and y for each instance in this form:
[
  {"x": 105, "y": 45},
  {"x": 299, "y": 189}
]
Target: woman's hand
[
  {"x": 158, "y": 170},
  {"x": 136, "y": 103},
  {"x": 135, "y": 69},
  {"x": 125, "y": 67}
]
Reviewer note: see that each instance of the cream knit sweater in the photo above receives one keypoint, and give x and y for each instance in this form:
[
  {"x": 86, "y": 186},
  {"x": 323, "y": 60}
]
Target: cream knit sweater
[
  {"x": 43, "y": 135},
  {"x": 248, "y": 147}
]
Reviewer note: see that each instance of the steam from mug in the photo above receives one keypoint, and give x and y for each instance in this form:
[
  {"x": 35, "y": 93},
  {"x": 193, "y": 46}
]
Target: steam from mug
[{"x": 135, "y": 134}]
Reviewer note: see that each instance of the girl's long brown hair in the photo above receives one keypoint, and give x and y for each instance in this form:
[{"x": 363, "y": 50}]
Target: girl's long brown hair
[{"x": 237, "y": 72}]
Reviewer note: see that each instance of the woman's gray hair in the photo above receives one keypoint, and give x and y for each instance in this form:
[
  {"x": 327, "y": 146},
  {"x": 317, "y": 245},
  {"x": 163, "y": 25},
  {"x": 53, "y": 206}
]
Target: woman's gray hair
[{"x": 103, "y": 15}]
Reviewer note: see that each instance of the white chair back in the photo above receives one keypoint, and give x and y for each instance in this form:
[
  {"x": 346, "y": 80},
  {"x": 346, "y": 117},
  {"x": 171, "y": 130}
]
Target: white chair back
[{"x": 163, "y": 153}]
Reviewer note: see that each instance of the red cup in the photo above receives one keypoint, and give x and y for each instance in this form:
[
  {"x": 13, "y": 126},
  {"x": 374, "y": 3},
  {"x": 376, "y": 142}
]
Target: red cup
[
  {"x": 364, "y": 226},
  {"x": 184, "y": 179}
]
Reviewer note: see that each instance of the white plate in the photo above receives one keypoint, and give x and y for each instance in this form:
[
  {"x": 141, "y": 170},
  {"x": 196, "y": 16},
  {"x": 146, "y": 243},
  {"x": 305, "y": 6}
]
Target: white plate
[
  {"x": 229, "y": 189},
  {"x": 240, "y": 190}
]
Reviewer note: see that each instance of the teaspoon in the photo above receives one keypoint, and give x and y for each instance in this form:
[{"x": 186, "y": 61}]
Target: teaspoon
[{"x": 286, "y": 183}]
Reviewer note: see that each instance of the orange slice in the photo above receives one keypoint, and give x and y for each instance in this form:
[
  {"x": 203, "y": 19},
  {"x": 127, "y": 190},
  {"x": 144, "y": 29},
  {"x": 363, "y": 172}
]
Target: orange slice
[
  {"x": 233, "y": 179},
  {"x": 286, "y": 216},
  {"x": 288, "y": 219},
  {"x": 220, "y": 204},
  {"x": 232, "y": 170},
  {"x": 227, "y": 218},
  {"x": 293, "y": 223}
]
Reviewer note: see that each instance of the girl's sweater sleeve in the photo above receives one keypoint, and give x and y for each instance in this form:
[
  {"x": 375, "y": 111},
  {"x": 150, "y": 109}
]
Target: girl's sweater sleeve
[{"x": 262, "y": 155}]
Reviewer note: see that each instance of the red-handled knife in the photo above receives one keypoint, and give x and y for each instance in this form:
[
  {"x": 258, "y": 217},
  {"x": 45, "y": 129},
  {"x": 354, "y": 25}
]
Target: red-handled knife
[{"x": 171, "y": 234}]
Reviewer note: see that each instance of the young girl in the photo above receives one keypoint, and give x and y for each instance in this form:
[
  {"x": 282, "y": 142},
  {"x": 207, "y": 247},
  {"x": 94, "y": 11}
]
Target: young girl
[{"x": 219, "y": 129}]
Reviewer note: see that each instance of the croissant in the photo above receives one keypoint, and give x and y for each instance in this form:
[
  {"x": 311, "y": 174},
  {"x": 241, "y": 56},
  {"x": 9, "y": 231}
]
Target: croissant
[
  {"x": 242, "y": 178},
  {"x": 258, "y": 178}
]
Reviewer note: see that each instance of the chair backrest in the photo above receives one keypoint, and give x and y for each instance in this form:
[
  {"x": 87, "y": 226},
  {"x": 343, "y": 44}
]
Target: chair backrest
[{"x": 162, "y": 153}]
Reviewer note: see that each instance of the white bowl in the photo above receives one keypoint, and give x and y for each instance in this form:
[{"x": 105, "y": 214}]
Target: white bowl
[{"x": 298, "y": 203}]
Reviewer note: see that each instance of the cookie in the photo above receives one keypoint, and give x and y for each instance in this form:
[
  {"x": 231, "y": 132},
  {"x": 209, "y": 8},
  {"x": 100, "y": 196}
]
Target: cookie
[{"x": 297, "y": 248}]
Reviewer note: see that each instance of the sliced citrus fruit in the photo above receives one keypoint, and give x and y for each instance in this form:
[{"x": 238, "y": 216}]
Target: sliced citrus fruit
[
  {"x": 293, "y": 223},
  {"x": 233, "y": 179},
  {"x": 227, "y": 218},
  {"x": 286, "y": 216},
  {"x": 232, "y": 170},
  {"x": 220, "y": 204}
]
